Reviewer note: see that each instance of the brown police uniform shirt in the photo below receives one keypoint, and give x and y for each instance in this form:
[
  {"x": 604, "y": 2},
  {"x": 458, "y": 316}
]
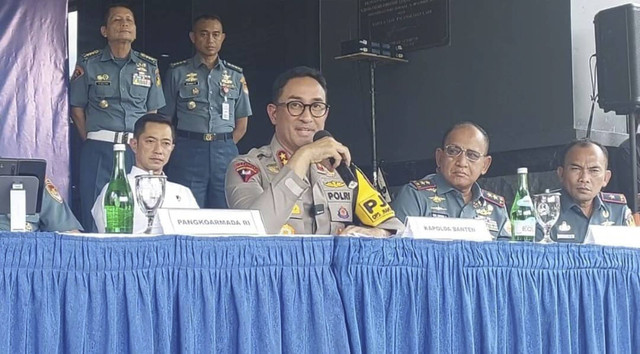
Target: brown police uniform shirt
[{"x": 320, "y": 203}]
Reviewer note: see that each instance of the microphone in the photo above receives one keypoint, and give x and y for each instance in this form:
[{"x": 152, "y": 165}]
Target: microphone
[{"x": 342, "y": 169}]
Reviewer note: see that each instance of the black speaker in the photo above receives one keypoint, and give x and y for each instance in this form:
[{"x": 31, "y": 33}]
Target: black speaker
[{"x": 618, "y": 57}]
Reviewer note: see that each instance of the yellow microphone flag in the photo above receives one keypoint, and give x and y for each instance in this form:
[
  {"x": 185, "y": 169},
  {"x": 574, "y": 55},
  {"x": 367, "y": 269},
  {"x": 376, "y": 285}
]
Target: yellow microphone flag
[{"x": 371, "y": 208}]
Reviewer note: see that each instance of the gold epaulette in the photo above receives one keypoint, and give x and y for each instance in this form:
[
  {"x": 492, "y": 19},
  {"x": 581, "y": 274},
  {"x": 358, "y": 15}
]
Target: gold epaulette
[
  {"x": 493, "y": 198},
  {"x": 232, "y": 66},
  {"x": 147, "y": 58},
  {"x": 424, "y": 185},
  {"x": 91, "y": 54}
]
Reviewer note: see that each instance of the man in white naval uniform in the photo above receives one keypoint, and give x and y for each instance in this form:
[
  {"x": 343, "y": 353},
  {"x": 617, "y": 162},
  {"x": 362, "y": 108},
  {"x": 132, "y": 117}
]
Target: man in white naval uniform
[{"x": 152, "y": 145}]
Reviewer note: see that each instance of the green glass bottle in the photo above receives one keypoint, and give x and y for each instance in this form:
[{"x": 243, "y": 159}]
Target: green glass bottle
[
  {"x": 118, "y": 200},
  {"x": 523, "y": 220}
]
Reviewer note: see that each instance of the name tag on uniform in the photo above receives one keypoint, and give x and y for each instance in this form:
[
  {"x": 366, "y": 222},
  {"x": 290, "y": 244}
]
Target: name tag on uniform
[
  {"x": 446, "y": 229},
  {"x": 211, "y": 222},
  {"x": 141, "y": 80},
  {"x": 225, "y": 110}
]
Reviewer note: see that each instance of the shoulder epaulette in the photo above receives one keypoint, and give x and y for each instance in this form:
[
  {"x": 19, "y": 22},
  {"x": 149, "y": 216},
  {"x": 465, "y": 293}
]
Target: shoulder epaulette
[
  {"x": 424, "y": 185},
  {"x": 147, "y": 58},
  {"x": 493, "y": 198},
  {"x": 178, "y": 63},
  {"x": 91, "y": 54},
  {"x": 259, "y": 152},
  {"x": 615, "y": 198},
  {"x": 232, "y": 66}
]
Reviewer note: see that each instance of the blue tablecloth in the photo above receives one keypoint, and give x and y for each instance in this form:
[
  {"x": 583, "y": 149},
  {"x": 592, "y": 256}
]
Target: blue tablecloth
[{"x": 172, "y": 294}]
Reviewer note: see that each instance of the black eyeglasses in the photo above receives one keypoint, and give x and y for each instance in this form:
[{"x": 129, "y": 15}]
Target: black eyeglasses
[
  {"x": 296, "y": 108},
  {"x": 453, "y": 150}
]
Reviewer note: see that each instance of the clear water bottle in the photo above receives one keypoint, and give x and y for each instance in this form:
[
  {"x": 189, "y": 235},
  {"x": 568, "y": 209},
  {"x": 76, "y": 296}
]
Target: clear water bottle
[
  {"x": 118, "y": 200},
  {"x": 523, "y": 218}
]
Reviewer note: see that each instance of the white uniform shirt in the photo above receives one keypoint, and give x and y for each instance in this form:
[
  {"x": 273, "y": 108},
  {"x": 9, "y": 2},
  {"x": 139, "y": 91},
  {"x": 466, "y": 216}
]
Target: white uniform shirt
[{"x": 176, "y": 196}]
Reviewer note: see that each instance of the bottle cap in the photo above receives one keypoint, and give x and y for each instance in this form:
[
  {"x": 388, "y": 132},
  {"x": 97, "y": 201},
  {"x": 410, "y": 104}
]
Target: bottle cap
[
  {"x": 119, "y": 147},
  {"x": 523, "y": 170}
]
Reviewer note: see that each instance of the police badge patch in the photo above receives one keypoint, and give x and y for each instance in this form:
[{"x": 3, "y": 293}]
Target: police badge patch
[
  {"x": 246, "y": 170},
  {"x": 77, "y": 73}
]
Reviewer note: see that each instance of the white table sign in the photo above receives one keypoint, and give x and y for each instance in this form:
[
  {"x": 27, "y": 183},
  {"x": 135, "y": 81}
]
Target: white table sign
[
  {"x": 446, "y": 229},
  {"x": 215, "y": 222},
  {"x": 625, "y": 236}
]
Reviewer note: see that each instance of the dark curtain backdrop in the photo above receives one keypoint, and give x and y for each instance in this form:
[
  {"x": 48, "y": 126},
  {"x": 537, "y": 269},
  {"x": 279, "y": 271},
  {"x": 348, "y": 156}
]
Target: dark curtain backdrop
[{"x": 33, "y": 84}]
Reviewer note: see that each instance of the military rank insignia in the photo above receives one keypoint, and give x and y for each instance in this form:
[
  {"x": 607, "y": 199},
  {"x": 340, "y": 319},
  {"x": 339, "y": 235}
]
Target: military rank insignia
[
  {"x": 424, "y": 185},
  {"x": 616, "y": 198},
  {"x": 283, "y": 157},
  {"x": 246, "y": 170},
  {"x": 493, "y": 198}
]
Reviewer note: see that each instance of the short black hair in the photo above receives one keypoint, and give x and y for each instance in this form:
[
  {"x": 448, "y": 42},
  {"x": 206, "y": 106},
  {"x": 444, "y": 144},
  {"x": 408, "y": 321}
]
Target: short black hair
[
  {"x": 584, "y": 142},
  {"x": 107, "y": 10},
  {"x": 466, "y": 123},
  {"x": 211, "y": 17},
  {"x": 141, "y": 123},
  {"x": 298, "y": 71}
]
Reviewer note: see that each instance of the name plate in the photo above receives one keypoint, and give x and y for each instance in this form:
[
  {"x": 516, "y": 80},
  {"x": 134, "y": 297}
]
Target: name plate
[
  {"x": 623, "y": 236},
  {"x": 215, "y": 222},
  {"x": 446, "y": 229}
]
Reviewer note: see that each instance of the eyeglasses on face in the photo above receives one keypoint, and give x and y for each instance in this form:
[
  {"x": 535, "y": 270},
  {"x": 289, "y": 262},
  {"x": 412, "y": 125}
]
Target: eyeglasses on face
[
  {"x": 453, "y": 150},
  {"x": 296, "y": 108}
]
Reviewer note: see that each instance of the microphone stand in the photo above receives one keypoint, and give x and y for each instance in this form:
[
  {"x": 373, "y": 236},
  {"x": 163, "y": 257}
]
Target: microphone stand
[
  {"x": 372, "y": 59},
  {"x": 631, "y": 128}
]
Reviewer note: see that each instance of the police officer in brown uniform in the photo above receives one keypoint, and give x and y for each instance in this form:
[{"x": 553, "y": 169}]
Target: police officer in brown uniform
[{"x": 291, "y": 181}]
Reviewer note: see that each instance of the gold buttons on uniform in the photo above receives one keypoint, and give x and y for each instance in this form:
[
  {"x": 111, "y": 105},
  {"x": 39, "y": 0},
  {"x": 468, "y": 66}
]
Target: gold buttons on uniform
[
  {"x": 191, "y": 105},
  {"x": 103, "y": 104}
]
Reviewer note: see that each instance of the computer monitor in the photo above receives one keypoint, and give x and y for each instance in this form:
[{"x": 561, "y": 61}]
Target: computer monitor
[{"x": 26, "y": 167}]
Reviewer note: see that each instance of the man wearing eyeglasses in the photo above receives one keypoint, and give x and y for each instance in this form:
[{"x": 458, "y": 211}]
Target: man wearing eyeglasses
[
  {"x": 290, "y": 180},
  {"x": 452, "y": 192},
  {"x": 209, "y": 101}
]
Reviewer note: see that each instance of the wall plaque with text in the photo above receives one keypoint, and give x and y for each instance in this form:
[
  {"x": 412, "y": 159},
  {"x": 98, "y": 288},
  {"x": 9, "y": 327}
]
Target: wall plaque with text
[{"x": 414, "y": 24}]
